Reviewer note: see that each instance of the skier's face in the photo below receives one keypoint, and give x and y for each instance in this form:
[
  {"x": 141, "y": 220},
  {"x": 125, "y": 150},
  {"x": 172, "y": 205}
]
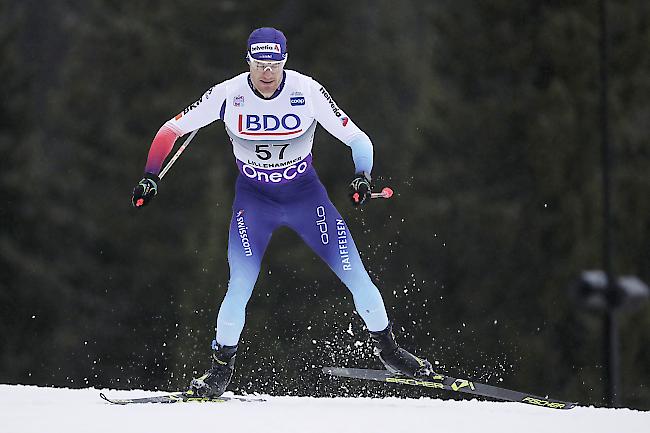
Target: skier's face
[{"x": 266, "y": 76}]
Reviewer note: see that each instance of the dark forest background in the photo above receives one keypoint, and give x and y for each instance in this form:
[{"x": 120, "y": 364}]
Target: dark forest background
[{"x": 484, "y": 117}]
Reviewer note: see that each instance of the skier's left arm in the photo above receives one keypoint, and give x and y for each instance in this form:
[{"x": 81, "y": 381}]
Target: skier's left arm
[{"x": 339, "y": 124}]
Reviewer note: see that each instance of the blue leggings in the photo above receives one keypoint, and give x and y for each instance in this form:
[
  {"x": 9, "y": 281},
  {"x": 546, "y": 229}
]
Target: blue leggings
[{"x": 302, "y": 205}]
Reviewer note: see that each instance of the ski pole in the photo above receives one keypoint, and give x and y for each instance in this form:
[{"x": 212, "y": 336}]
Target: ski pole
[
  {"x": 385, "y": 193},
  {"x": 177, "y": 154}
]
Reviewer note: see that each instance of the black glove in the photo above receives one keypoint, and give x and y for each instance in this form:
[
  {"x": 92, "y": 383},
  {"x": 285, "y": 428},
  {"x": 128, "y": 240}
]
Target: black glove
[
  {"x": 145, "y": 190},
  {"x": 360, "y": 189}
]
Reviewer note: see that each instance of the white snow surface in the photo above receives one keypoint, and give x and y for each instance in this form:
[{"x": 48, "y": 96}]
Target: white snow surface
[{"x": 26, "y": 409}]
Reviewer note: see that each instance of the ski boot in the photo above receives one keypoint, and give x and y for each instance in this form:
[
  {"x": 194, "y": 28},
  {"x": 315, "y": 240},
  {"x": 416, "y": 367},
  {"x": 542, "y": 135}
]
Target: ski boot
[
  {"x": 396, "y": 359},
  {"x": 214, "y": 382}
]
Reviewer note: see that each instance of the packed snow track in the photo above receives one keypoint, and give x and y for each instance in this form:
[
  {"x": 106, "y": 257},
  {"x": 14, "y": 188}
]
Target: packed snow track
[{"x": 31, "y": 409}]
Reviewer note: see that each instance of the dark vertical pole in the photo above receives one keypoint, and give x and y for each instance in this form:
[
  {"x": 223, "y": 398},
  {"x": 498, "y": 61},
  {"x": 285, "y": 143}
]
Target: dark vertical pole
[{"x": 610, "y": 343}]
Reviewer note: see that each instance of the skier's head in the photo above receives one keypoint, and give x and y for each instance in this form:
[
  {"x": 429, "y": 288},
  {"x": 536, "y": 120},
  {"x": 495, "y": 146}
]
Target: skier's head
[
  {"x": 266, "y": 55},
  {"x": 268, "y": 44}
]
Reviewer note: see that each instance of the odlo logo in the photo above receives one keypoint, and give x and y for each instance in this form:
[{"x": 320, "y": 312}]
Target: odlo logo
[
  {"x": 322, "y": 225},
  {"x": 243, "y": 233}
]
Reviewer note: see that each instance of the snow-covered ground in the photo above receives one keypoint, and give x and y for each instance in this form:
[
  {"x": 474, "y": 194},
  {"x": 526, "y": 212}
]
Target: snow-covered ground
[{"x": 26, "y": 409}]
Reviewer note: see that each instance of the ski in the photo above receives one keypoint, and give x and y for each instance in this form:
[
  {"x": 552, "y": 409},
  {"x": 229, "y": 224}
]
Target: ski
[
  {"x": 438, "y": 381},
  {"x": 178, "y": 397}
]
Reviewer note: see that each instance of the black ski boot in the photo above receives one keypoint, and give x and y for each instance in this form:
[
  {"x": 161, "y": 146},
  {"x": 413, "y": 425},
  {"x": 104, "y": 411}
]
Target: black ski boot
[
  {"x": 214, "y": 382},
  {"x": 396, "y": 359}
]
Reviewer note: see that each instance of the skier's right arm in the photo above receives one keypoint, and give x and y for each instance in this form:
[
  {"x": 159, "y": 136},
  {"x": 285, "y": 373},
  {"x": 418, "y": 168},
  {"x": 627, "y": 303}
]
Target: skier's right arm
[{"x": 204, "y": 111}]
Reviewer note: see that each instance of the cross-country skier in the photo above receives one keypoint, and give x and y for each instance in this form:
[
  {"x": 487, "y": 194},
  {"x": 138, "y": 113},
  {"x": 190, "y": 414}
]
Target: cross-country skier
[{"x": 270, "y": 115}]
